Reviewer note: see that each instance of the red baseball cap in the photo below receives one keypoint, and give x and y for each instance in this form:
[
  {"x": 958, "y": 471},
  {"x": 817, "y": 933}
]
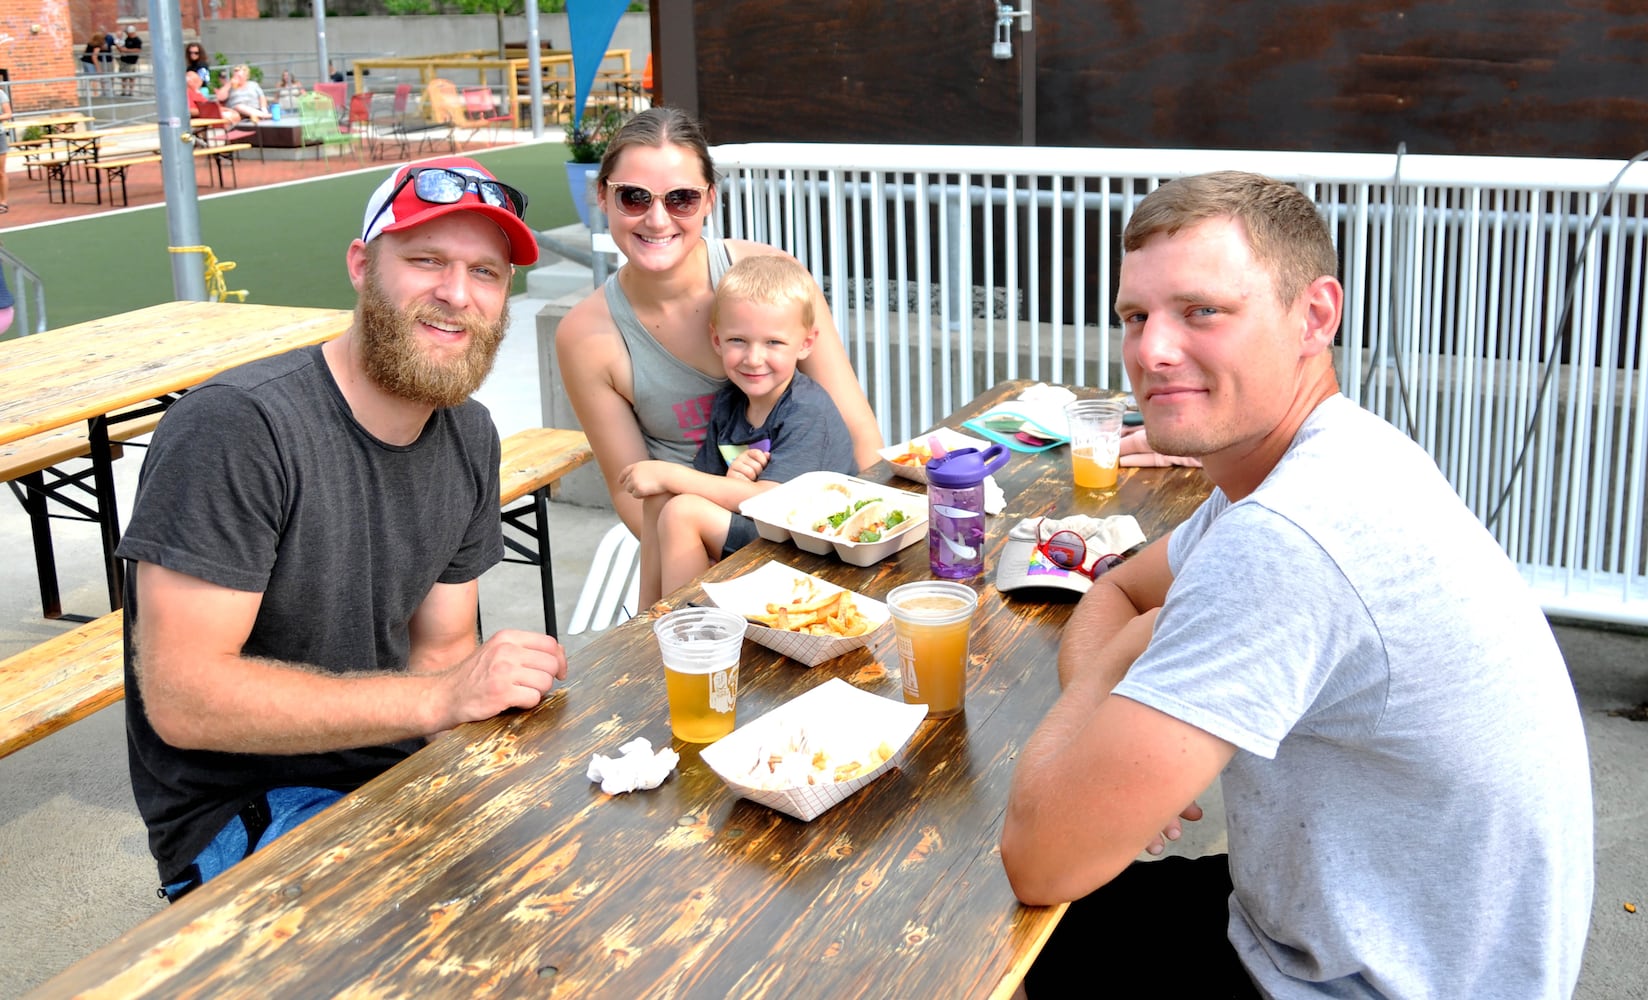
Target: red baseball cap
[{"x": 396, "y": 206}]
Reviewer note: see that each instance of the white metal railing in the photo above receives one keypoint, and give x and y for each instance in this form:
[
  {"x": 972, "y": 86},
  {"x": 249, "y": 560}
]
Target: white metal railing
[{"x": 949, "y": 268}]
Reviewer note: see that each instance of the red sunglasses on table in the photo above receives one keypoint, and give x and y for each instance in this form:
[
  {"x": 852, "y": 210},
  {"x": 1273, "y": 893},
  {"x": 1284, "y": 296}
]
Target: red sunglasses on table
[{"x": 1067, "y": 550}]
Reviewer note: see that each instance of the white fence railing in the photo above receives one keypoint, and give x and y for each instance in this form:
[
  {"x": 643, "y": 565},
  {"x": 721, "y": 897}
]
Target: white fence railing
[{"x": 951, "y": 268}]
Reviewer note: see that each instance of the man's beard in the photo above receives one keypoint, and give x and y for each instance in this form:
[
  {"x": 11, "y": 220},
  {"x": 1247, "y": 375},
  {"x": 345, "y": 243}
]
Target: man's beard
[{"x": 396, "y": 362}]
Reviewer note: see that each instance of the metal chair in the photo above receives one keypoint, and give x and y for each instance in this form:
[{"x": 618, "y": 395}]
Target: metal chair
[{"x": 319, "y": 118}]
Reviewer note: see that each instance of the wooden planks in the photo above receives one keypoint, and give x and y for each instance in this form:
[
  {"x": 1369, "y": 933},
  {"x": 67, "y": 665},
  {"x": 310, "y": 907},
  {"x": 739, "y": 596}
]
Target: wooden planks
[
  {"x": 488, "y": 865},
  {"x": 59, "y": 681},
  {"x": 78, "y": 372},
  {"x": 538, "y": 456}
]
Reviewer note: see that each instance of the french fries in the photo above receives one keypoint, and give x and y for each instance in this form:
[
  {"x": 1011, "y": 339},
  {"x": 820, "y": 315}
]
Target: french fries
[
  {"x": 794, "y": 757},
  {"x": 813, "y": 612}
]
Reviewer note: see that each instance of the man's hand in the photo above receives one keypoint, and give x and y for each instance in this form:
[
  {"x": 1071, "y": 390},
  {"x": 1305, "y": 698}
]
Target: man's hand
[
  {"x": 1136, "y": 453},
  {"x": 1173, "y": 830},
  {"x": 646, "y": 478},
  {"x": 748, "y": 466},
  {"x": 513, "y": 669}
]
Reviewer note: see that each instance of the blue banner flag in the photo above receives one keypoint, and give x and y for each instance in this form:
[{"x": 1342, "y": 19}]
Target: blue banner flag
[{"x": 592, "y": 23}]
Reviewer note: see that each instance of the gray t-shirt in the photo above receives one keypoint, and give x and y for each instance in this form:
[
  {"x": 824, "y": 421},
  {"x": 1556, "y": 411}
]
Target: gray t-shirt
[
  {"x": 1409, "y": 805},
  {"x": 803, "y": 433},
  {"x": 261, "y": 480},
  {"x": 672, "y": 398}
]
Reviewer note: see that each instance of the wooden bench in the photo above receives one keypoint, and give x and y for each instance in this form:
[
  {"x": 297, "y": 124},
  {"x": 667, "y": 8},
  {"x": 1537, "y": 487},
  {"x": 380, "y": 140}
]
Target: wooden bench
[
  {"x": 61, "y": 680},
  {"x": 531, "y": 462},
  {"x": 219, "y": 155},
  {"x": 31, "y": 150},
  {"x": 30, "y": 467},
  {"x": 116, "y": 170}
]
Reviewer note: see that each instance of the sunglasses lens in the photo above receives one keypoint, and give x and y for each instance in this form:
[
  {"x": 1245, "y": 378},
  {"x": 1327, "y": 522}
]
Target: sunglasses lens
[
  {"x": 1067, "y": 549},
  {"x": 440, "y": 187},
  {"x": 632, "y": 200},
  {"x": 683, "y": 202}
]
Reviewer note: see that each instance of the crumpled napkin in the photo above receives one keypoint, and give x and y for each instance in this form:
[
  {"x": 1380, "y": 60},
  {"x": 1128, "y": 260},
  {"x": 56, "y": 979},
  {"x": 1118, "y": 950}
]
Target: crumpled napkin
[
  {"x": 1136, "y": 453},
  {"x": 637, "y": 767}
]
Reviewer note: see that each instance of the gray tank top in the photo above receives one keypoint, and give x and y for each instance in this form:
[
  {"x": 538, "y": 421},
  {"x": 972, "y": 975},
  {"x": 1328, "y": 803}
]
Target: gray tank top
[{"x": 672, "y": 398}]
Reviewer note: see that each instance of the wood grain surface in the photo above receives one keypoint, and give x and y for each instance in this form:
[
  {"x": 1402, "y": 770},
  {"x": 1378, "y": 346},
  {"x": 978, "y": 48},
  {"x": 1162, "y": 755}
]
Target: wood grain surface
[
  {"x": 55, "y": 378},
  {"x": 489, "y": 865}
]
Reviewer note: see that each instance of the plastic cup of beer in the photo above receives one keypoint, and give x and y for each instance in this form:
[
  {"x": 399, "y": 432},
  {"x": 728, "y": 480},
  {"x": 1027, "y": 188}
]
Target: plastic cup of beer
[
  {"x": 933, "y": 621},
  {"x": 1095, "y": 441},
  {"x": 701, "y": 647}
]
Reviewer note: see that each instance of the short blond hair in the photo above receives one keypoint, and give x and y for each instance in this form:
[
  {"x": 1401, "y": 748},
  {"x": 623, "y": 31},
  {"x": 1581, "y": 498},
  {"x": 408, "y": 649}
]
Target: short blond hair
[
  {"x": 767, "y": 279},
  {"x": 1284, "y": 229}
]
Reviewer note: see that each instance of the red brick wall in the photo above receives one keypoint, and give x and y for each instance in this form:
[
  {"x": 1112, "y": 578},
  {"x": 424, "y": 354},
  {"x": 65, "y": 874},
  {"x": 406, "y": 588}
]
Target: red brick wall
[{"x": 43, "y": 44}]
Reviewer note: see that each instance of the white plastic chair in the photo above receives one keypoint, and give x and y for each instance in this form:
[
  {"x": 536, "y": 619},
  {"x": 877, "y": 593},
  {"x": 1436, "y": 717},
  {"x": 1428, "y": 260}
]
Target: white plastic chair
[{"x": 612, "y": 590}]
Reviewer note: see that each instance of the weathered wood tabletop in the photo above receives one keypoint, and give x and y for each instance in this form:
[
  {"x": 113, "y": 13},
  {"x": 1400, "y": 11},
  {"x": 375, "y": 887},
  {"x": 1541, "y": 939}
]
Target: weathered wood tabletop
[{"x": 489, "y": 865}]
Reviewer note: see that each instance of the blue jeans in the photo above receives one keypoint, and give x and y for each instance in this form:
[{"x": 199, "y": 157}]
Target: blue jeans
[{"x": 259, "y": 823}]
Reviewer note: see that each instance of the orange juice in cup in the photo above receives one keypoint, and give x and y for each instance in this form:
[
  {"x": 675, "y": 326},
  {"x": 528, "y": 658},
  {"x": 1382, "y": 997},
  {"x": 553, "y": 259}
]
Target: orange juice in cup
[
  {"x": 1095, "y": 468},
  {"x": 933, "y": 622},
  {"x": 1095, "y": 441}
]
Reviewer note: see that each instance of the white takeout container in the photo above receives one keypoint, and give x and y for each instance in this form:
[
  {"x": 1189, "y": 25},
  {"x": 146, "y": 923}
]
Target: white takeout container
[
  {"x": 834, "y": 714},
  {"x": 785, "y": 514},
  {"x": 749, "y": 595},
  {"x": 950, "y": 439}
]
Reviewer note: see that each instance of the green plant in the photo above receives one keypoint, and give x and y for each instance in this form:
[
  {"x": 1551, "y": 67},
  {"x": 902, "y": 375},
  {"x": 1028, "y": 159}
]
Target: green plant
[
  {"x": 33, "y": 132},
  {"x": 588, "y": 139}
]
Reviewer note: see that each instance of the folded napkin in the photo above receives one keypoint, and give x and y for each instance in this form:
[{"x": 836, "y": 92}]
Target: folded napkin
[
  {"x": 995, "y": 499},
  {"x": 1136, "y": 453},
  {"x": 636, "y": 767}
]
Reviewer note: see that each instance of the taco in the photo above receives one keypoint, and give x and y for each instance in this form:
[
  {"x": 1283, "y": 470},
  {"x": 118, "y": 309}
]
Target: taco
[{"x": 873, "y": 521}]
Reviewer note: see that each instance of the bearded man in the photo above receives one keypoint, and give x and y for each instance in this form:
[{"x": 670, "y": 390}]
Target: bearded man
[{"x": 308, "y": 533}]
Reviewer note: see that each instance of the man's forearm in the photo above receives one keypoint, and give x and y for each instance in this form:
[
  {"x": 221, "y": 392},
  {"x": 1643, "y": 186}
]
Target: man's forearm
[
  {"x": 1098, "y": 618},
  {"x": 244, "y": 705}
]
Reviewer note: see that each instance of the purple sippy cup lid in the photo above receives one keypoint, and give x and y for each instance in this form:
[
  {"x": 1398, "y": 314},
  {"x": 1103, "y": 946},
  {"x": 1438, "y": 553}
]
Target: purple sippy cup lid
[{"x": 965, "y": 467}]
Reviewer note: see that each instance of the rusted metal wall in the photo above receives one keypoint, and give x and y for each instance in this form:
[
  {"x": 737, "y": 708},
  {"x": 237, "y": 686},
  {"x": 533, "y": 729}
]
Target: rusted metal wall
[{"x": 1516, "y": 77}]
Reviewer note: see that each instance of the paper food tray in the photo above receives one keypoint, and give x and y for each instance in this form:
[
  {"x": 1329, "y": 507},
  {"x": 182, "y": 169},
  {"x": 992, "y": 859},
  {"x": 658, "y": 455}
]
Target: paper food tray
[
  {"x": 749, "y": 594},
  {"x": 951, "y": 439},
  {"x": 785, "y": 513},
  {"x": 834, "y": 714}
]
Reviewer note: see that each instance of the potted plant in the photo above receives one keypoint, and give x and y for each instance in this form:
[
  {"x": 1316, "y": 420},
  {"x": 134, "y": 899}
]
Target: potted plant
[{"x": 586, "y": 144}]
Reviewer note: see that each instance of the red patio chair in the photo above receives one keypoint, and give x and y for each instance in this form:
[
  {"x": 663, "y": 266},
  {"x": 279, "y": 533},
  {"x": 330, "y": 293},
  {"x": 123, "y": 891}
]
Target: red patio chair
[{"x": 479, "y": 112}]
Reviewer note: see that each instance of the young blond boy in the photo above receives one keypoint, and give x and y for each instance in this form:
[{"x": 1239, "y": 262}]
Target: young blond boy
[{"x": 768, "y": 425}]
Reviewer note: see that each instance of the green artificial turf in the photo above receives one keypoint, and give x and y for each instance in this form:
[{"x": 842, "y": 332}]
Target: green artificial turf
[{"x": 288, "y": 242}]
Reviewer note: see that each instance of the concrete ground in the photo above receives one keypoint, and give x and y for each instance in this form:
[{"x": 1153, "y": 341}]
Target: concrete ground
[{"x": 74, "y": 852}]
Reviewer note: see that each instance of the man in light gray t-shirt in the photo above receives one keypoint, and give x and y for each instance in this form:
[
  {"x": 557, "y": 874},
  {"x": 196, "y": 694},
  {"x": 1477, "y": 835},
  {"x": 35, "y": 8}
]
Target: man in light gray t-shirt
[{"x": 1335, "y": 637}]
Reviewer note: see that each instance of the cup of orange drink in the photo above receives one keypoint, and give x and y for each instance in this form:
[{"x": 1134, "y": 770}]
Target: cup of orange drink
[
  {"x": 933, "y": 621},
  {"x": 701, "y": 648},
  {"x": 1095, "y": 441}
]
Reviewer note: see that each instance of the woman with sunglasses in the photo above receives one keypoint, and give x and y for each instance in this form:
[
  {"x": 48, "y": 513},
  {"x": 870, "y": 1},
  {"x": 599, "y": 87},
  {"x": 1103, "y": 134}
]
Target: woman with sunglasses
[{"x": 635, "y": 356}]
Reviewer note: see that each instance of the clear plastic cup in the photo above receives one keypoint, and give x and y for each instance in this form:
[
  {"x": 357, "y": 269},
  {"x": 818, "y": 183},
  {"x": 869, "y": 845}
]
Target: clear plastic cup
[
  {"x": 701, "y": 649},
  {"x": 933, "y": 621},
  {"x": 1095, "y": 441}
]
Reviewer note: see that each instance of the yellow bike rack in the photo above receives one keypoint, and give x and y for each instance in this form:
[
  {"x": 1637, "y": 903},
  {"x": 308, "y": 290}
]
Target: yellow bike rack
[{"x": 216, "y": 288}]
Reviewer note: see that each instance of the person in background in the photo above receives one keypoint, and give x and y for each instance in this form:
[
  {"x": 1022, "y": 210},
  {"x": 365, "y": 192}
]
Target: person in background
[
  {"x": 8, "y": 304},
  {"x": 242, "y": 98},
  {"x": 197, "y": 97},
  {"x": 89, "y": 55},
  {"x": 131, "y": 48},
  {"x": 289, "y": 634},
  {"x": 636, "y": 358},
  {"x": 194, "y": 57},
  {"x": 1334, "y": 637},
  {"x": 289, "y": 90}
]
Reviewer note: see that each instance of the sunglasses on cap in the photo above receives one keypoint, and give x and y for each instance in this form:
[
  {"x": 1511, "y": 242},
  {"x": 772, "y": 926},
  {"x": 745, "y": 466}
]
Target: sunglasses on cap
[
  {"x": 634, "y": 200},
  {"x": 1067, "y": 550},
  {"x": 442, "y": 186}
]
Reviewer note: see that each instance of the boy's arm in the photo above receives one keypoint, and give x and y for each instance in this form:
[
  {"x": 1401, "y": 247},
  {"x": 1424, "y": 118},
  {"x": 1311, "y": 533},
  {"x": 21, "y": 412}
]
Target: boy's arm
[{"x": 644, "y": 479}]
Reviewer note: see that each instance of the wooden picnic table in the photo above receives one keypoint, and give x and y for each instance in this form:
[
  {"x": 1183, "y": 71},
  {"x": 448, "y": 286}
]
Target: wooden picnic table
[
  {"x": 89, "y": 370},
  {"x": 487, "y": 864},
  {"x": 49, "y": 124}
]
